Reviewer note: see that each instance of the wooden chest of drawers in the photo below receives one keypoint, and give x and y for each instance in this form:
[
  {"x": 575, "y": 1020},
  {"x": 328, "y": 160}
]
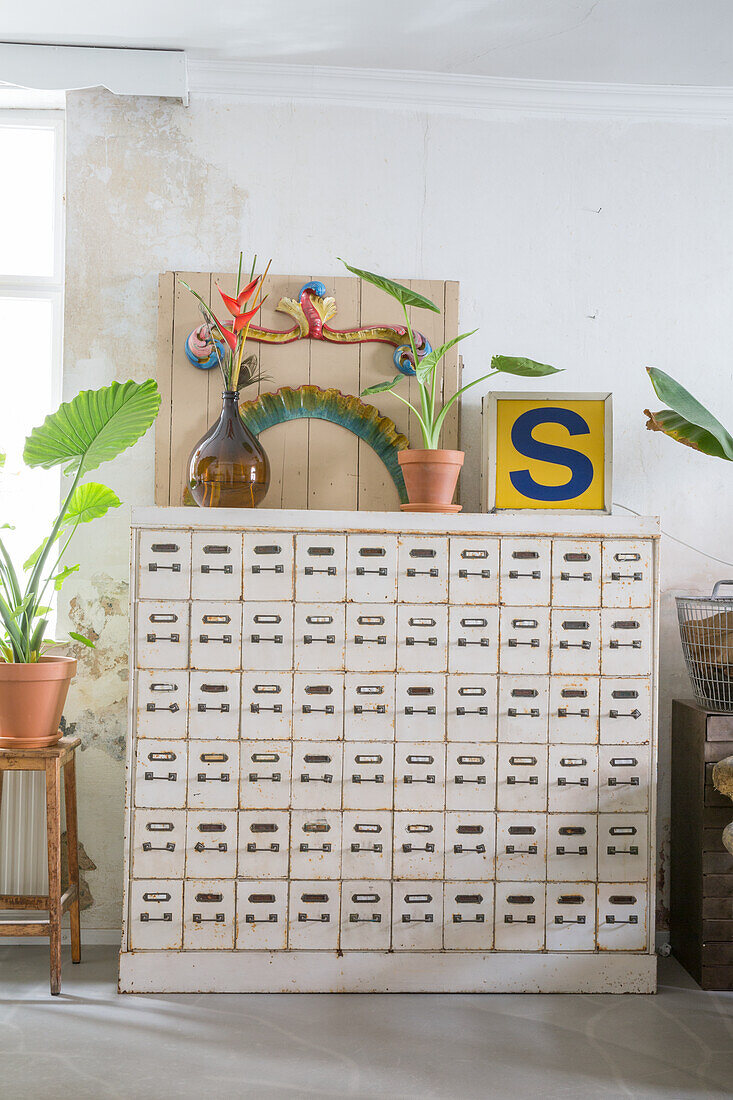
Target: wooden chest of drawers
[
  {"x": 701, "y": 868},
  {"x": 384, "y": 752}
]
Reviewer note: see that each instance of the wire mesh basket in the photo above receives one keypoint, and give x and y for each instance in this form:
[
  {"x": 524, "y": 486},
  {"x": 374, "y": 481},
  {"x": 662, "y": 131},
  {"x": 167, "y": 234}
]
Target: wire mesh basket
[{"x": 706, "y": 630}]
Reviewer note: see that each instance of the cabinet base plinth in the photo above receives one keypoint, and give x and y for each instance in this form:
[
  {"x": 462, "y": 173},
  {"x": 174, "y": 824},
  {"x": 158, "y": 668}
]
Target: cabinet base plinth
[{"x": 380, "y": 972}]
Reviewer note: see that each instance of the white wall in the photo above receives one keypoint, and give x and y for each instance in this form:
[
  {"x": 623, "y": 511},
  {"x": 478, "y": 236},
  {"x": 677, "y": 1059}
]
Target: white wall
[{"x": 599, "y": 246}]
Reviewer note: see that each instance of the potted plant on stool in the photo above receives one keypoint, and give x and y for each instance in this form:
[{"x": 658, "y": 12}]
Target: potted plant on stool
[
  {"x": 96, "y": 426},
  {"x": 431, "y": 474}
]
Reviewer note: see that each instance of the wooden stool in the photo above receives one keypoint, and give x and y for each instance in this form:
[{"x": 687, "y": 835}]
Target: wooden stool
[{"x": 50, "y": 760}]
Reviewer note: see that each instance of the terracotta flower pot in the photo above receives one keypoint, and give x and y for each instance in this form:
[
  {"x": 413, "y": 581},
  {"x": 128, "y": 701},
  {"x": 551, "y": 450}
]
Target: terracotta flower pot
[
  {"x": 32, "y": 699},
  {"x": 430, "y": 479}
]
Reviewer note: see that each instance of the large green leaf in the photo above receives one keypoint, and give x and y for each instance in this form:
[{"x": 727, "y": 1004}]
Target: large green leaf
[
  {"x": 94, "y": 427},
  {"x": 382, "y": 387},
  {"x": 527, "y": 368},
  {"x": 691, "y": 414},
  {"x": 90, "y": 501},
  {"x": 682, "y": 431},
  {"x": 426, "y": 365},
  {"x": 402, "y": 294}
]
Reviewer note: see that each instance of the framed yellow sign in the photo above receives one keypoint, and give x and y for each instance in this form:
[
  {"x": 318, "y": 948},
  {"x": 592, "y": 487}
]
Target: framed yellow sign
[{"x": 547, "y": 451}]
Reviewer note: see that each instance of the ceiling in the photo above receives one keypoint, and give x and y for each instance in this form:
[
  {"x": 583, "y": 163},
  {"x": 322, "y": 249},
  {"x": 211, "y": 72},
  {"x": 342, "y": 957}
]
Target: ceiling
[{"x": 615, "y": 41}]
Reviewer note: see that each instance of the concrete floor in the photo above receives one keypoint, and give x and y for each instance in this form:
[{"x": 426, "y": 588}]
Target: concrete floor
[{"x": 92, "y": 1044}]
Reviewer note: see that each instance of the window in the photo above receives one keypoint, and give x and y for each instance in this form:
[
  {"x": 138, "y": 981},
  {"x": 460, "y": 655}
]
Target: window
[{"x": 31, "y": 312}]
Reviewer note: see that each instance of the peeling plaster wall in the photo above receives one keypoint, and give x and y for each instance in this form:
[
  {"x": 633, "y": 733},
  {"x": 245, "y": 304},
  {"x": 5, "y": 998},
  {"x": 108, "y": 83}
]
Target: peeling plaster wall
[{"x": 597, "y": 245}]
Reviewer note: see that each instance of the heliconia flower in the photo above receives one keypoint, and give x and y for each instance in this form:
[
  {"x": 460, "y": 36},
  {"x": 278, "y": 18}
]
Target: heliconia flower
[
  {"x": 229, "y": 336},
  {"x": 235, "y": 305},
  {"x": 244, "y": 318}
]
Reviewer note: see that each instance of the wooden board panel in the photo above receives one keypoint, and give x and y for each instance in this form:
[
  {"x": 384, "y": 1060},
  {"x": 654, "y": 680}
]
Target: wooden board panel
[{"x": 314, "y": 464}]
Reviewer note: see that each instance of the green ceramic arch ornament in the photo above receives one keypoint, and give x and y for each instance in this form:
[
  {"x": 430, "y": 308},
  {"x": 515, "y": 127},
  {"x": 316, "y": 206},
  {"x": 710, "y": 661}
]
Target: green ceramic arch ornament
[{"x": 314, "y": 403}]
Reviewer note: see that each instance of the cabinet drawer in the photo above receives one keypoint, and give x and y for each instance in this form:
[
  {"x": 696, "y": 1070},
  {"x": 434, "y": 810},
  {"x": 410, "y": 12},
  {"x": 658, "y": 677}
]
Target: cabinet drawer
[
  {"x": 622, "y": 909},
  {"x": 573, "y": 779},
  {"x": 216, "y": 565},
  {"x": 422, "y": 638},
  {"x": 158, "y": 843},
  {"x": 265, "y": 774},
  {"x": 267, "y": 704},
  {"x": 214, "y": 705},
  {"x": 267, "y": 637},
  {"x": 211, "y": 844},
  {"x": 571, "y": 847},
  {"x": 525, "y": 572},
  {"x": 626, "y": 711},
  {"x": 470, "y": 839},
  {"x": 208, "y": 915},
  {"x": 623, "y": 847},
  {"x": 575, "y": 637},
  {"x": 368, "y": 775},
  {"x": 520, "y": 846},
  {"x": 420, "y": 707},
  {"x": 519, "y": 924},
  {"x": 320, "y": 568},
  {"x": 524, "y": 640},
  {"x": 474, "y": 570},
  {"x": 623, "y": 778},
  {"x": 419, "y": 775},
  {"x": 369, "y": 706},
  {"x": 627, "y": 573},
  {"x": 574, "y": 709},
  {"x": 160, "y": 775},
  {"x": 468, "y": 916},
  {"x": 366, "y": 844},
  {"x": 264, "y": 844},
  {"x": 162, "y": 702},
  {"x": 213, "y": 775},
  {"x": 262, "y": 915},
  {"x": 314, "y": 912},
  {"x": 521, "y": 777},
  {"x": 470, "y": 776},
  {"x": 576, "y": 573},
  {"x": 418, "y": 845},
  {"x": 156, "y": 915},
  {"x": 371, "y": 568},
  {"x": 162, "y": 634},
  {"x": 471, "y": 708},
  {"x": 164, "y": 565},
  {"x": 268, "y": 565},
  {"x": 417, "y": 916},
  {"x": 371, "y": 637},
  {"x": 216, "y": 634},
  {"x": 626, "y": 642},
  {"x": 318, "y": 706},
  {"x": 366, "y": 915},
  {"x": 571, "y": 916},
  {"x": 473, "y": 639},
  {"x": 423, "y": 569},
  {"x": 316, "y": 783},
  {"x": 315, "y": 844},
  {"x": 320, "y": 636},
  {"x": 523, "y": 708}
]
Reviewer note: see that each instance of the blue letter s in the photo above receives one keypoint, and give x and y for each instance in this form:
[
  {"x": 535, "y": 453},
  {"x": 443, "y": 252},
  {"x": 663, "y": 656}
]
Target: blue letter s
[{"x": 580, "y": 466}]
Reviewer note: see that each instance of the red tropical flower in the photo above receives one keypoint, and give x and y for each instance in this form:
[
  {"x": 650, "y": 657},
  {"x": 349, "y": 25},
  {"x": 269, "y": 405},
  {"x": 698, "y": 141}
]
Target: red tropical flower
[{"x": 235, "y": 305}]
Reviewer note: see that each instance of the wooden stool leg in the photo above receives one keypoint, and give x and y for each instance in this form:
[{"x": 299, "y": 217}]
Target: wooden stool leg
[
  {"x": 72, "y": 849},
  {"x": 53, "y": 837}
]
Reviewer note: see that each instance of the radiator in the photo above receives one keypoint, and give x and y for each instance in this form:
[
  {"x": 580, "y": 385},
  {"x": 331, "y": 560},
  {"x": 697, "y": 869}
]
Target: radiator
[{"x": 23, "y": 856}]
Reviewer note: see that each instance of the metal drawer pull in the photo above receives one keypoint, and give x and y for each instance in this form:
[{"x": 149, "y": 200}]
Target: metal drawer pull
[
  {"x": 575, "y": 556},
  {"x": 563, "y": 712},
  {"x": 630, "y": 693},
  {"x": 632, "y": 850},
  {"x": 172, "y": 707},
  {"x": 268, "y": 550},
  {"x": 625, "y": 714},
  {"x": 509, "y": 918},
  {"x": 421, "y": 710},
  {"x": 223, "y": 708},
  {"x": 147, "y": 919},
  {"x": 169, "y": 847},
  {"x": 530, "y": 850},
  {"x": 627, "y": 557},
  {"x": 421, "y": 641},
  {"x": 271, "y": 918},
  {"x": 165, "y": 548},
  {"x": 479, "y": 780},
  {"x": 615, "y": 644},
  {"x": 379, "y": 709},
  {"x": 164, "y": 687},
  {"x": 534, "y": 643},
  {"x": 376, "y": 918},
  {"x": 570, "y": 920},
  {"x": 306, "y": 778},
  {"x": 279, "y": 568},
  {"x": 324, "y": 918},
  {"x": 256, "y": 708},
  {"x": 582, "y": 782},
  {"x": 228, "y": 569},
  {"x": 202, "y": 777},
  {"x": 462, "y": 711},
  {"x": 463, "y": 642},
  {"x": 163, "y": 638},
  {"x": 274, "y": 847},
  {"x": 326, "y": 847},
  {"x": 373, "y": 779},
  {"x": 381, "y": 639},
  {"x": 424, "y": 779},
  {"x": 585, "y": 644},
  {"x": 408, "y": 919},
  {"x": 201, "y": 847},
  {"x": 170, "y": 777},
  {"x": 614, "y": 782},
  {"x": 627, "y": 576},
  {"x": 329, "y": 639},
  {"x": 156, "y": 567},
  {"x": 611, "y": 919},
  {"x": 512, "y": 781},
  {"x": 576, "y": 576},
  {"x": 308, "y": 709},
  {"x": 458, "y": 918},
  {"x": 255, "y": 777},
  {"x": 514, "y": 575},
  {"x": 464, "y": 574},
  {"x": 366, "y": 848},
  {"x": 423, "y": 572},
  {"x": 581, "y": 850},
  {"x": 380, "y": 572},
  {"x": 330, "y": 571},
  {"x": 218, "y": 918},
  {"x": 225, "y": 639},
  {"x": 276, "y": 639}
]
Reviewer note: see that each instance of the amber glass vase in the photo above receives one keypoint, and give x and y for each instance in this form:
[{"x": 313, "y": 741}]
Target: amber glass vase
[{"x": 228, "y": 468}]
